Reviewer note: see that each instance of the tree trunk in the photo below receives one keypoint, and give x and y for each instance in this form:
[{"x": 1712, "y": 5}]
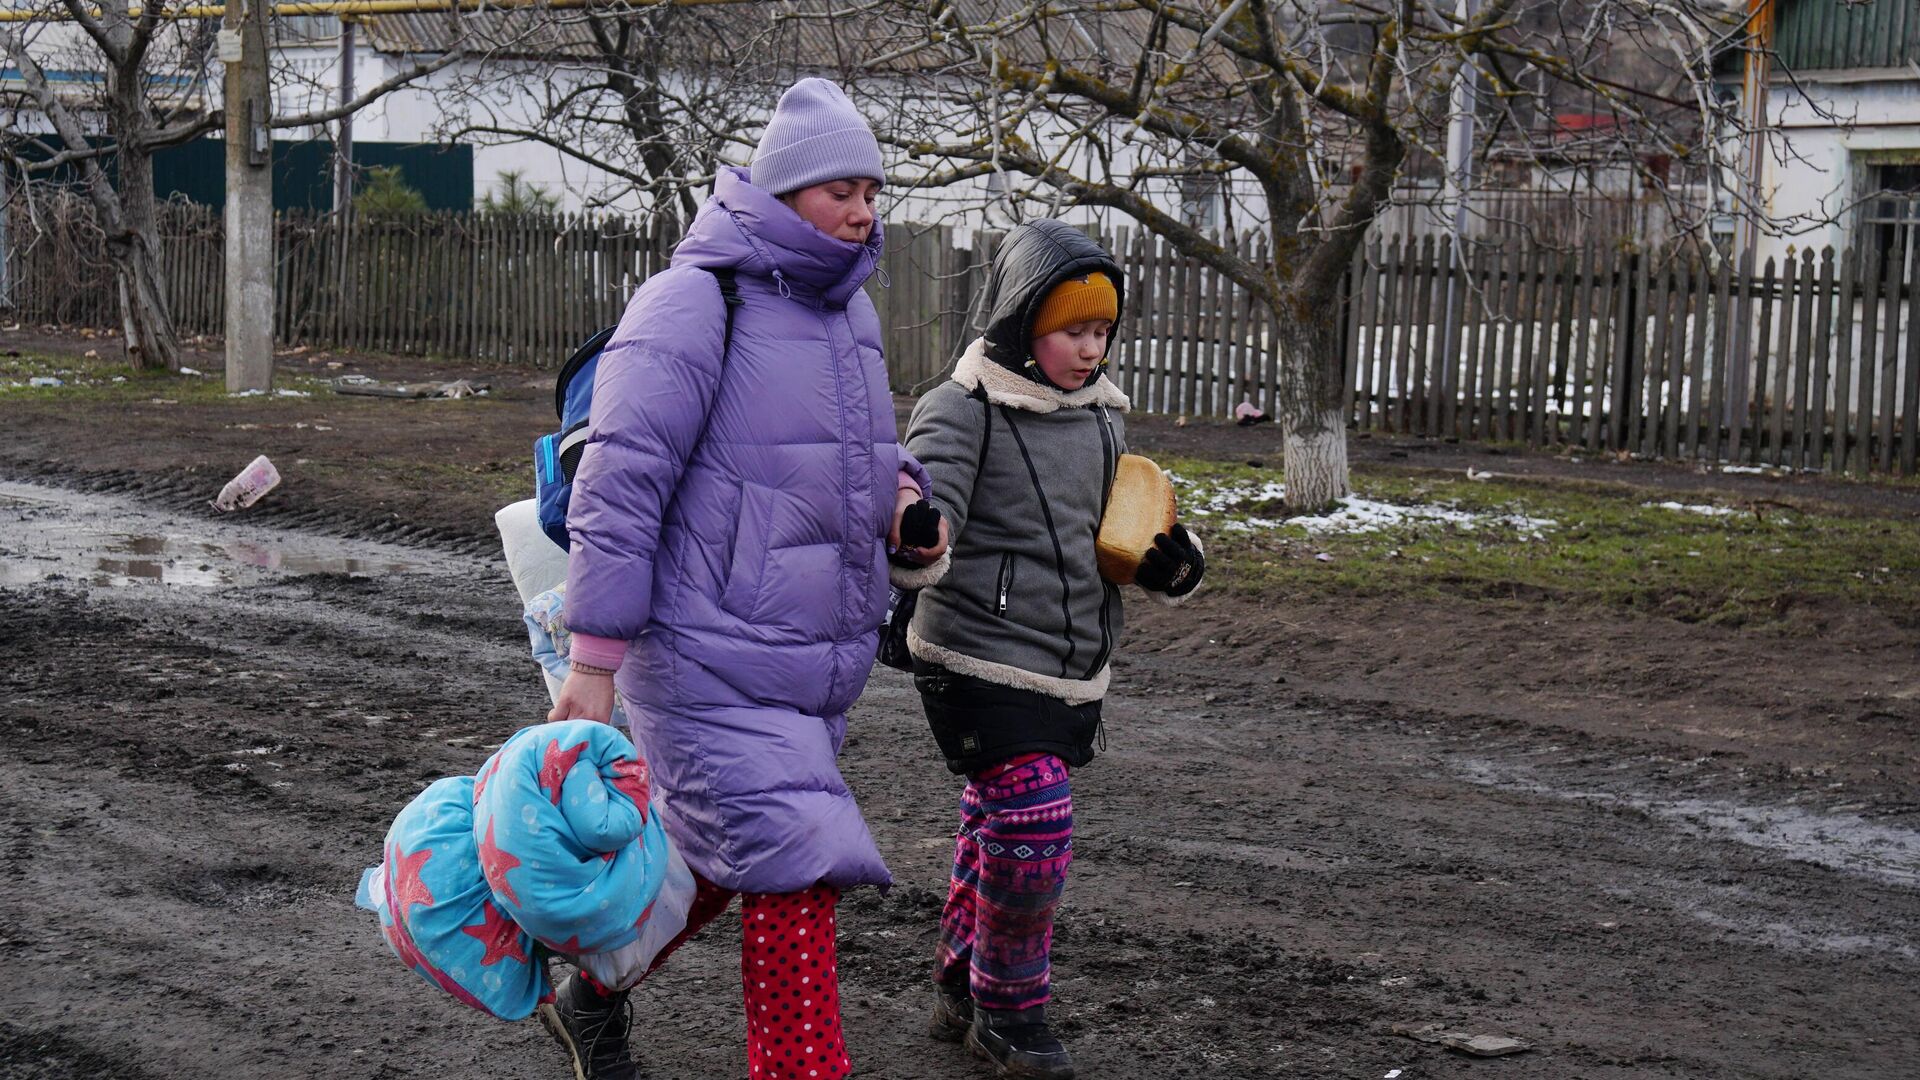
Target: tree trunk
[
  {"x": 1311, "y": 423},
  {"x": 151, "y": 342}
]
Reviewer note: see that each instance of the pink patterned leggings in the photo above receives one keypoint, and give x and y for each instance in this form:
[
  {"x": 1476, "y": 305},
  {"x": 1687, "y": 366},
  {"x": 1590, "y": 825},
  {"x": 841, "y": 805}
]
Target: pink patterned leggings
[{"x": 1009, "y": 870}]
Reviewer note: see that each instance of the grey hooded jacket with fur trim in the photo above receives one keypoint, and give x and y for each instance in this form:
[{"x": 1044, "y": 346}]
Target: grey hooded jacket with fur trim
[{"x": 1021, "y": 472}]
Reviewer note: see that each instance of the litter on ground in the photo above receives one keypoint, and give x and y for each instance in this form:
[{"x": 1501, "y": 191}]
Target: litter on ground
[
  {"x": 1464, "y": 1042},
  {"x": 245, "y": 489},
  {"x": 365, "y": 386}
]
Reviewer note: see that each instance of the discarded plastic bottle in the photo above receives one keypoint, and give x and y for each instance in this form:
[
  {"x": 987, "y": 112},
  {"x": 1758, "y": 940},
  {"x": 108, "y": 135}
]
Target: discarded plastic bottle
[{"x": 258, "y": 478}]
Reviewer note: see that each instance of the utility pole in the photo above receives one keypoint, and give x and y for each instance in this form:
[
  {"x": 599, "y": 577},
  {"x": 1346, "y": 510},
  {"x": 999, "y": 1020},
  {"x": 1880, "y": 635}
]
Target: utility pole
[
  {"x": 6, "y": 280},
  {"x": 1758, "y": 69},
  {"x": 1460, "y": 109},
  {"x": 343, "y": 165},
  {"x": 249, "y": 211},
  {"x": 343, "y": 142},
  {"x": 1459, "y": 181}
]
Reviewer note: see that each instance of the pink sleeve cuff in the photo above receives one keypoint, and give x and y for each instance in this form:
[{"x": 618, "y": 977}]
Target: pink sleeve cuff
[
  {"x": 907, "y": 483},
  {"x": 597, "y": 651}
]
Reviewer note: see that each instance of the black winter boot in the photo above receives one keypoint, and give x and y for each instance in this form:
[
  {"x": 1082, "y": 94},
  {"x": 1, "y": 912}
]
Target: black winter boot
[
  {"x": 1019, "y": 1044},
  {"x": 952, "y": 1013},
  {"x": 593, "y": 1030}
]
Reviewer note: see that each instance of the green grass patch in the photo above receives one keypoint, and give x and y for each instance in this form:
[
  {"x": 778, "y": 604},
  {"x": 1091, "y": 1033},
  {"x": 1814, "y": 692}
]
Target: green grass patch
[
  {"x": 33, "y": 378},
  {"x": 1731, "y": 562}
]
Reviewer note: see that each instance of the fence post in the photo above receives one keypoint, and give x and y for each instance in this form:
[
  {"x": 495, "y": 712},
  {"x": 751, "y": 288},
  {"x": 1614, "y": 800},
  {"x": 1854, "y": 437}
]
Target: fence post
[{"x": 1628, "y": 329}]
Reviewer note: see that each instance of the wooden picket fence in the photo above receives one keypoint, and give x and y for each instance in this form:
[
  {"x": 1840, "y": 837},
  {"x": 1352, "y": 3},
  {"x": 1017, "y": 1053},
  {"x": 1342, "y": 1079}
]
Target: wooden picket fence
[{"x": 1813, "y": 363}]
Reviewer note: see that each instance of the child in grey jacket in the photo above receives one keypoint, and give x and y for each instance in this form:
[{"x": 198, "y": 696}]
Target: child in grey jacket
[{"x": 1011, "y": 645}]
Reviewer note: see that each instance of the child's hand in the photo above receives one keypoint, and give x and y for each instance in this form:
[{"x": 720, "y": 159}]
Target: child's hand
[
  {"x": 923, "y": 555},
  {"x": 1174, "y": 566},
  {"x": 584, "y": 697}
]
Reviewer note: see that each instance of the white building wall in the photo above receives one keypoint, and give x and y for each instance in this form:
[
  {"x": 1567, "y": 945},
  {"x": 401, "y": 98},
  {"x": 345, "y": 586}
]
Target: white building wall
[
  {"x": 1829, "y": 133},
  {"x": 419, "y": 114}
]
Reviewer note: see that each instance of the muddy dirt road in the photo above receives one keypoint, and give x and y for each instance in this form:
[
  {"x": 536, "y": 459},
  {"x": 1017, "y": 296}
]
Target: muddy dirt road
[{"x": 207, "y": 727}]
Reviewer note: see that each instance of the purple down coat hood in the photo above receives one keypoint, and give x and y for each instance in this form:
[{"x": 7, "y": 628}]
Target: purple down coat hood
[{"x": 729, "y": 521}]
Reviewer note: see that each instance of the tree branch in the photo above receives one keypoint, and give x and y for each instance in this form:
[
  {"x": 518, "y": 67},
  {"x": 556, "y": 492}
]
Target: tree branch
[
  {"x": 418, "y": 71},
  {"x": 72, "y": 135}
]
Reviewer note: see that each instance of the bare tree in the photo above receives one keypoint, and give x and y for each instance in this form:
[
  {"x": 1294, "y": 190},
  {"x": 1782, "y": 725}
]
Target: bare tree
[
  {"x": 150, "y": 74},
  {"x": 652, "y": 98},
  {"x": 1300, "y": 113}
]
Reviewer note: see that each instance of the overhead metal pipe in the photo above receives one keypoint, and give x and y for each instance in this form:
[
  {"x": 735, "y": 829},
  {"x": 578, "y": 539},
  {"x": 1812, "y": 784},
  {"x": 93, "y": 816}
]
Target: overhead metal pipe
[{"x": 348, "y": 9}]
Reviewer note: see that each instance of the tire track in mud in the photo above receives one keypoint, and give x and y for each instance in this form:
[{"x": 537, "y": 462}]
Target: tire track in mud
[
  {"x": 1264, "y": 884},
  {"x": 189, "y": 494}
]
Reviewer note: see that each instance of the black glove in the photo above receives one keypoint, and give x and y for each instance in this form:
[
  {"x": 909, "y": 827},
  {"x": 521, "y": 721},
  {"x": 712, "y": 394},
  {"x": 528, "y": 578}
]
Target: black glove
[
  {"x": 920, "y": 525},
  {"x": 1174, "y": 566}
]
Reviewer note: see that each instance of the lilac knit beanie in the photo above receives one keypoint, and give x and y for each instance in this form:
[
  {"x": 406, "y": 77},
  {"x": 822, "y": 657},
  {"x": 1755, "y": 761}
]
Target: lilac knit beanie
[{"x": 816, "y": 135}]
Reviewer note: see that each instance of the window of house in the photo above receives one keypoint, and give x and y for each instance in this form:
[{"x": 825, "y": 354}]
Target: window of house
[
  {"x": 294, "y": 29},
  {"x": 1200, "y": 200},
  {"x": 1890, "y": 216}
]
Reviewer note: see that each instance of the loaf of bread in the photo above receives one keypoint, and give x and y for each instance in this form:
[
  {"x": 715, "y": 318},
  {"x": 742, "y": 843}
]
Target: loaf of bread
[{"x": 1139, "y": 509}]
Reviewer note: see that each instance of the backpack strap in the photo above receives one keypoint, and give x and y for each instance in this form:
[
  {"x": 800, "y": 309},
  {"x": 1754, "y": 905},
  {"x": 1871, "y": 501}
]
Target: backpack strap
[{"x": 979, "y": 393}]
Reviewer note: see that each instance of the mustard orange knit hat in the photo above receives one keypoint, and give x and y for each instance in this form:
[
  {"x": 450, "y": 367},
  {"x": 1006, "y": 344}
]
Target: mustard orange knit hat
[{"x": 1077, "y": 300}]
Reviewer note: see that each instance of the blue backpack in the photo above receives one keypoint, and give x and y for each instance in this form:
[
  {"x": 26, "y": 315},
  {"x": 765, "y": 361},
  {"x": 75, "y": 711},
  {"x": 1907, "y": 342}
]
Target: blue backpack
[{"x": 557, "y": 456}]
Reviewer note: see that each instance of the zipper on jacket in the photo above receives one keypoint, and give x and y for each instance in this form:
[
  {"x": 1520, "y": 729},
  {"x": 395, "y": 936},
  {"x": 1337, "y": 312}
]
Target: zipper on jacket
[
  {"x": 1110, "y": 445},
  {"x": 1110, "y": 441},
  {"x": 1006, "y": 584},
  {"x": 1059, "y": 556}
]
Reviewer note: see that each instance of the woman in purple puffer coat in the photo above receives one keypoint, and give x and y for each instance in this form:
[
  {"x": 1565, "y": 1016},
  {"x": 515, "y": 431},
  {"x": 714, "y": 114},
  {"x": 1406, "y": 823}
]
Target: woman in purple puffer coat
[{"x": 731, "y": 519}]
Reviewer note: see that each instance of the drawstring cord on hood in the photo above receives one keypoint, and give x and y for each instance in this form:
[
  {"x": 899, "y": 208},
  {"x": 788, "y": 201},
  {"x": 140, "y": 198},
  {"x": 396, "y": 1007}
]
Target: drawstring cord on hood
[
  {"x": 779, "y": 279},
  {"x": 760, "y": 249}
]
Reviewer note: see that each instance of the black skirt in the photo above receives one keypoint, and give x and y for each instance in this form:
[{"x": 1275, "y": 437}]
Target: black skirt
[{"x": 979, "y": 724}]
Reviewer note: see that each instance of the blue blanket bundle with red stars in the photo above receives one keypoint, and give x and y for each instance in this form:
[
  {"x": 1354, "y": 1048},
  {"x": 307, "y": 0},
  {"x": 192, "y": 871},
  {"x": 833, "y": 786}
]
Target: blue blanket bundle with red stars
[{"x": 551, "y": 848}]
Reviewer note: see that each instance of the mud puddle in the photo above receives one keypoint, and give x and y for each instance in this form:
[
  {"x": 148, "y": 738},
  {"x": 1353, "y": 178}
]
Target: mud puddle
[
  {"x": 1836, "y": 840},
  {"x": 47, "y": 534}
]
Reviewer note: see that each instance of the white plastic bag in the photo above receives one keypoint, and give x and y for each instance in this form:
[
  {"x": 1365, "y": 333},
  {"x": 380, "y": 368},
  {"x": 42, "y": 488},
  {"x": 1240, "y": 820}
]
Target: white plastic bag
[
  {"x": 536, "y": 562},
  {"x": 624, "y": 967}
]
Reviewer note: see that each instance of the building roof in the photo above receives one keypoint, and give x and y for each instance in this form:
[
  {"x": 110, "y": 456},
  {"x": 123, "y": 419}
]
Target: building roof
[{"x": 805, "y": 33}]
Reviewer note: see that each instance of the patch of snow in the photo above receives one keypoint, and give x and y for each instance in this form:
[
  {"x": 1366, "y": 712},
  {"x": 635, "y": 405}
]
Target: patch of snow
[
  {"x": 1694, "y": 508},
  {"x": 45, "y": 380},
  {"x": 1365, "y": 515},
  {"x": 292, "y": 393},
  {"x": 1352, "y": 515}
]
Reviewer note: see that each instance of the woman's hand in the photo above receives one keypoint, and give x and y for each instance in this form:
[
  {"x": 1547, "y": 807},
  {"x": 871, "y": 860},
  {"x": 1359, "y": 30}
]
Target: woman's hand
[
  {"x": 584, "y": 696},
  {"x": 923, "y": 555}
]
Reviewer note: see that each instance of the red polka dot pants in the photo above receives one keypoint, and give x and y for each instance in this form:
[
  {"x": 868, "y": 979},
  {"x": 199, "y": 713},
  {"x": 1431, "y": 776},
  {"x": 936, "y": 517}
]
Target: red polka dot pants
[{"x": 788, "y": 967}]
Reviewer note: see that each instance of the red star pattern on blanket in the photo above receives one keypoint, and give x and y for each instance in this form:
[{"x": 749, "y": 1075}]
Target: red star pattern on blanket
[
  {"x": 498, "y": 933},
  {"x": 495, "y": 862},
  {"x": 630, "y": 779},
  {"x": 408, "y": 888},
  {"x": 555, "y": 764},
  {"x": 486, "y": 774},
  {"x": 410, "y": 954}
]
